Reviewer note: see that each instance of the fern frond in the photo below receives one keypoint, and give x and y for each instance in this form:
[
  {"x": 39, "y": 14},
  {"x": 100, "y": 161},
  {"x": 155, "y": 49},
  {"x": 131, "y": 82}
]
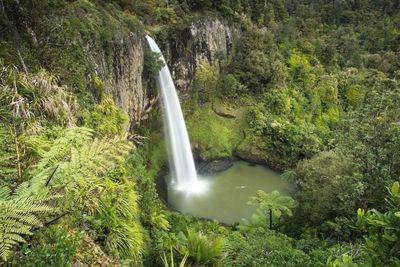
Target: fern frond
[
  {"x": 59, "y": 151},
  {"x": 5, "y": 193},
  {"x": 18, "y": 215}
]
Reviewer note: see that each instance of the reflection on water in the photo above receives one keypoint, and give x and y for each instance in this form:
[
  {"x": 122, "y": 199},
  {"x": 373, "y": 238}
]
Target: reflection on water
[{"x": 228, "y": 193}]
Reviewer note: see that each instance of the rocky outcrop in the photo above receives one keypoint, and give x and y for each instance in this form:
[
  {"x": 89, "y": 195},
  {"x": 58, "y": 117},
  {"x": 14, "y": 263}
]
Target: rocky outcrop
[
  {"x": 208, "y": 39},
  {"x": 120, "y": 66},
  {"x": 214, "y": 166}
]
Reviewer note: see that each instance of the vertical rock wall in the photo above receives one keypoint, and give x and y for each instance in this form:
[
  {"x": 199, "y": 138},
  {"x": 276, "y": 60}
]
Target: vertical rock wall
[
  {"x": 121, "y": 65},
  {"x": 204, "y": 39}
]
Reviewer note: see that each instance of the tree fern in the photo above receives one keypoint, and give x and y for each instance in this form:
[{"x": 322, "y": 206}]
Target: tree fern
[
  {"x": 272, "y": 205},
  {"x": 81, "y": 161},
  {"x": 18, "y": 215},
  {"x": 74, "y": 163},
  {"x": 80, "y": 165}
]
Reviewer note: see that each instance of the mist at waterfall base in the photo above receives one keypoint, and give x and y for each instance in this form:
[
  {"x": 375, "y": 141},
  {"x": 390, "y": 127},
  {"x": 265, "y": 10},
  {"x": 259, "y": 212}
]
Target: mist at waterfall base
[{"x": 180, "y": 153}]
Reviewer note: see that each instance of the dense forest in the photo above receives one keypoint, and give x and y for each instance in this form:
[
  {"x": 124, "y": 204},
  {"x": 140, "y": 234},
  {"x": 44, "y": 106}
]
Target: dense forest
[{"x": 307, "y": 87}]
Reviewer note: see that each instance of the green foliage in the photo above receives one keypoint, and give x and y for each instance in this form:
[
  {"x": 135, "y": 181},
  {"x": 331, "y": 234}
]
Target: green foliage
[
  {"x": 19, "y": 214},
  {"x": 293, "y": 123},
  {"x": 262, "y": 247},
  {"x": 29, "y": 102},
  {"x": 115, "y": 216},
  {"x": 271, "y": 205},
  {"x": 53, "y": 246},
  {"x": 204, "y": 82},
  {"x": 354, "y": 95},
  {"x": 339, "y": 195},
  {"x": 25, "y": 97},
  {"x": 153, "y": 11},
  {"x": 153, "y": 63},
  {"x": 300, "y": 69},
  {"x": 213, "y": 135},
  {"x": 345, "y": 261},
  {"x": 169, "y": 262},
  {"x": 322, "y": 80},
  {"x": 86, "y": 170},
  {"x": 177, "y": 238},
  {"x": 369, "y": 137},
  {"x": 202, "y": 250},
  {"x": 283, "y": 140},
  {"x": 8, "y": 170},
  {"x": 230, "y": 86},
  {"x": 257, "y": 64},
  {"x": 106, "y": 117},
  {"x": 159, "y": 221},
  {"x": 382, "y": 230},
  {"x": 144, "y": 177},
  {"x": 80, "y": 165}
]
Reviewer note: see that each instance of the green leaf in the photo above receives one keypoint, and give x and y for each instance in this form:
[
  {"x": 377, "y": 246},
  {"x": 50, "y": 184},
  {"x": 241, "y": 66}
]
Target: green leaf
[
  {"x": 395, "y": 188},
  {"x": 360, "y": 212},
  {"x": 392, "y": 238}
]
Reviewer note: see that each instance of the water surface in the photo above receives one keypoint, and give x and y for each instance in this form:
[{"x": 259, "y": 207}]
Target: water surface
[{"x": 228, "y": 193}]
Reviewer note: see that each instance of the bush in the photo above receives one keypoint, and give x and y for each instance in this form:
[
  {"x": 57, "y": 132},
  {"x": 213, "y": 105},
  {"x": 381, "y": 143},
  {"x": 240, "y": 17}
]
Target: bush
[
  {"x": 152, "y": 63},
  {"x": 261, "y": 247},
  {"x": 54, "y": 246}
]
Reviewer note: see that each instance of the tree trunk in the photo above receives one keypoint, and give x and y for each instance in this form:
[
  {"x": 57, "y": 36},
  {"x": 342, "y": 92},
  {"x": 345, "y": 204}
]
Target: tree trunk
[
  {"x": 270, "y": 219},
  {"x": 14, "y": 33}
]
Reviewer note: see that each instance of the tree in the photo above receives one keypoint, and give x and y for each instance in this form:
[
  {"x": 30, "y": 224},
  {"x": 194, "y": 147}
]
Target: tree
[
  {"x": 327, "y": 188},
  {"x": 369, "y": 136},
  {"x": 257, "y": 64},
  {"x": 273, "y": 204},
  {"x": 382, "y": 230}
]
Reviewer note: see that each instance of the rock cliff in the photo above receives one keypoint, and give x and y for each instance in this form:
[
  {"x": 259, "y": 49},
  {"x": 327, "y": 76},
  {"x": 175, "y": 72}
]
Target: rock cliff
[
  {"x": 120, "y": 66},
  {"x": 207, "y": 38}
]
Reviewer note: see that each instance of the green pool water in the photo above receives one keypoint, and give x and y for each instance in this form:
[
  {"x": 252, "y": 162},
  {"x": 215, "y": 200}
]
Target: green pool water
[{"x": 228, "y": 193}]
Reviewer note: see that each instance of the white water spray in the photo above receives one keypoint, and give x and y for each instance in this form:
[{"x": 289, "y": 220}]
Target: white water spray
[{"x": 181, "y": 157}]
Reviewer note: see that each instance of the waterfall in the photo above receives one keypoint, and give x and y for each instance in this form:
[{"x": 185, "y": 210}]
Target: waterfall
[{"x": 180, "y": 153}]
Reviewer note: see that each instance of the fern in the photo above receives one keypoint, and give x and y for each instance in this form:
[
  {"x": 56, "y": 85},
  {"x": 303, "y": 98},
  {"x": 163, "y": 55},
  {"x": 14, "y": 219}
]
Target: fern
[
  {"x": 18, "y": 216},
  {"x": 80, "y": 165},
  {"x": 203, "y": 250},
  {"x": 117, "y": 207},
  {"x": 8, "y": 169},
  {"x": 170, "y": 262},
  {"x": 75, "y": 164},
  {"x": 54, "y": 154}
]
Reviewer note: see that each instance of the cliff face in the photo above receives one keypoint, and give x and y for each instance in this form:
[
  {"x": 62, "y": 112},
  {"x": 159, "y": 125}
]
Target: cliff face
[
  {"x": 120, "y": 66},
  {"x": 205, "y": 39}
]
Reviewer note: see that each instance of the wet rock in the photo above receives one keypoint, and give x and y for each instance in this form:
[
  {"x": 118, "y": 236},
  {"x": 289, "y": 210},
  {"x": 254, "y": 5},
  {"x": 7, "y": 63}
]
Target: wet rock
[{"x": 214, "y": 166}]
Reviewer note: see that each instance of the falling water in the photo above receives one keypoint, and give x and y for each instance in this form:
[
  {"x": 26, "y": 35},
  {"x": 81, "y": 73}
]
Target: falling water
[{"x": 181, "y": 157}]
